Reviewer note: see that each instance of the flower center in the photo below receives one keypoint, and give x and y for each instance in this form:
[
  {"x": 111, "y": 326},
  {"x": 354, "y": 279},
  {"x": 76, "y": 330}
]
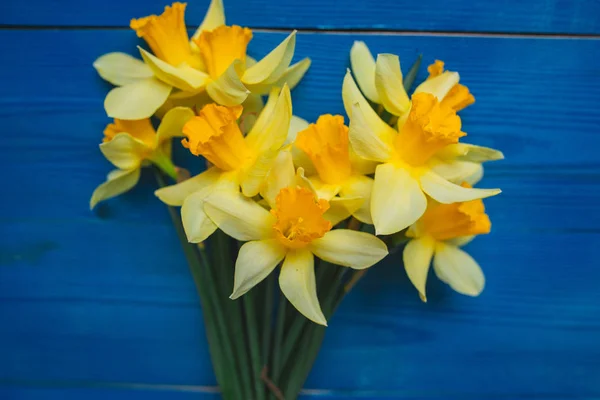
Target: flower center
[
  {"x": 221, "y": 46},
  {"x": 447, "y": 221},
  {"x": 459, "y": 96},
  {"x": 430, "y": 126},
  {"x": 299, "y": 217},
  {"x": 140, "y": 129},
  {"x": 167, "y": 36},
  {"x": 327, "y": 145},
  {"x": 215, "y": 134}
]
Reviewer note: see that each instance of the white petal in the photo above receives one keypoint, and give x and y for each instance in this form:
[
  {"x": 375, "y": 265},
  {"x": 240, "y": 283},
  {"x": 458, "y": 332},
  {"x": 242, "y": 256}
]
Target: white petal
[
  {"x": 172, "y": 123},
  {"x": 255, "y": 261},
  {"x": 280, "y": 176},
  {"x": 124, "y": 151},
  {"x": 182, "y": 77},
  {"x": 396, "y": 200},
  {"x": 121, "y": 69},
  {"x": 363, "y": 67},
  {"x": 440, "y": 85},
  {"x": 458, "y": 269},
  {"x": 136, "y": 100},
  {"x": 273, "y": 65},
  {"x": 175, "y": 195},
  {"x": 417, "y": 257},
  {"x": 388, "y": 81},
  {"x": 215, "y": 17},
  {"x": 297, "y": 282},
  {"x": 228, "y": 89},
  {"x": 238, "y": 216},
  {"x": 196, "y": 223},
  {"x": 349, "y": 248},
  {"x": 457, "y": 171},
  {"x": 446, "y": 192},
  {"x": 360, "y": 186},
  {"x": 118, "y": 182}
]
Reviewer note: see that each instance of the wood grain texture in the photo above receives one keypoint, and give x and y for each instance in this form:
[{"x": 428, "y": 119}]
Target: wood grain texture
[
  {"x": 100, "y": 305},
  {"x": 509, "y": 16}
]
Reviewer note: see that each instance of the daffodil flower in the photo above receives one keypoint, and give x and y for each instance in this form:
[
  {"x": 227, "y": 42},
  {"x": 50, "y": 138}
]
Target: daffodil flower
[
  {"x": 381, "y": 82},
  {"x": 437, "y": 235},
  {"x": 405, "y": 173},
  {"x": 339, "y": 174},
  {"x": 214, "y": 61},
  {"x": 237, "y": 161},
  {"x": 293, "y": 232},
  {"x": 131, "y": 144},
  {"x": 462, "y": 162}
]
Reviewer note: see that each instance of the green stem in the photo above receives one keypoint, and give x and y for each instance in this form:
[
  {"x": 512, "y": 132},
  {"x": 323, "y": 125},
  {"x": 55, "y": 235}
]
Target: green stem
[
  {"x": 253, "y": 343},
  {"x": 267, "y": 318},
  {"x": 164, "y": 163},
  {"x": 276, "y": 366}
]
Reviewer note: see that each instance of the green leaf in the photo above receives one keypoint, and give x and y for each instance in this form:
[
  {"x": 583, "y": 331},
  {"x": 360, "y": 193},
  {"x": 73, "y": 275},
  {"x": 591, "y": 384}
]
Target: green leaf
[{"x": 409, "y": 78}]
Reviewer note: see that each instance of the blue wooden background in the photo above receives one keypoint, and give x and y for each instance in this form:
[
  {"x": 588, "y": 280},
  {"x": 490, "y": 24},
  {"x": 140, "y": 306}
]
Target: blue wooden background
[{"x": 101, "y": 305}]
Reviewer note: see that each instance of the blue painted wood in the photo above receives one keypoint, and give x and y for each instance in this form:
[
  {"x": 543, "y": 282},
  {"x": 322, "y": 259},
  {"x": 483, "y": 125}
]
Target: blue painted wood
[
  {"x": 106, "y": 298},
  {"x": 532, "y": 16}
]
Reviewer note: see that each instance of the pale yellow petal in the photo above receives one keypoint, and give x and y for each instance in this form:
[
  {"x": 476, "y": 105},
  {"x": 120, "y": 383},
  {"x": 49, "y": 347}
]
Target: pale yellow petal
[
  {"x": 417, "y": 257},
  {"x": 175, "y": 195},
  {"x": 447, "y": 192},
  {"x": 172, "y": 123},
  {"x": 458, "y": 269},
  {"x": 341, "y": 208},
  {"x": 363, "y": 67},
  {"x": 182, "y": 77},
  {"x": 324, "y": 190},
  {"x": 461, "y": 240},
  {"x": 264, "y": 117},
  {"x": 360, "y": 186},
  {"x": 118, "y": 182},
  {"x": 273, "y": 65},
  {"x": 440, "y": 85},
  {"x": 122, "y": 69},
  {"x": 238, "y": 216},
  {"x": 275, "y": 129},
  {"x": 470, "y": 152},
  {"x": 228, "y": 89},
  {"x": 255, "y": 261},
  {"x": 369, "y": 120},
  {"x": 298, "y": 284},
  {"x": 280, "y": 176},
  {"x": 254, "y": 177},
  {"x": 136, "y": 100},
  {"x": 389, "y": 85},
  {"x": 215, "y": 17},
  {"x": 361, "y": 165},
  {"x": 396, "y": 200},
  {"x": 349, "y": 248},
  {"x": 124, "y": 151},
  {"x": 292, "y": 76},
  {"x": 196, "y": 223},
  {"x": 457, "y": 171},
  {"x": 366, "y": 142},
  {"x": 297, "y": 124}
]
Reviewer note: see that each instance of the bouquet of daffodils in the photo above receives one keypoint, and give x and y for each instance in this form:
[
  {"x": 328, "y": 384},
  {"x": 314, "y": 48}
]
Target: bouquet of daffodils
[{"x": 323, "y": 201}]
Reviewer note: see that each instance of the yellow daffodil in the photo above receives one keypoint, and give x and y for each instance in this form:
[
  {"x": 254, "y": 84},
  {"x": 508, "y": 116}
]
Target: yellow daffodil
[
  {"x": 129, "y": 145},
  {"x": 293, "y": 232},
  {"x": 214, "y": 61},
  {"x": 438, "y": 235},
  {"x": 237, "y": 161},
  {"x": 405, "y": 173},
  {"x": 381, "y": 82},
  {"x": 461, "y": 162},
  {"x": 339, "y": 174}
]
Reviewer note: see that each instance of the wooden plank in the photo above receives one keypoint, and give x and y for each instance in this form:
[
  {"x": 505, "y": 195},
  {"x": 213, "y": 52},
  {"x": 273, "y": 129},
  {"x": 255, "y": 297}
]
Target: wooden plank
[
  {"x": 99, "y": 392},
  {"x": 529, "y": 16}
]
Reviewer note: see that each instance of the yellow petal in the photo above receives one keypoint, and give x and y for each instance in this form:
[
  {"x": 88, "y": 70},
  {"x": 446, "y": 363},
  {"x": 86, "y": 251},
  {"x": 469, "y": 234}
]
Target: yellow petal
[
  {"x": 136, "y": 100},
  {"x": 292, "y": 76},
  {"x": 417, "y": 257},
  {"x": 172, "y": 123},
  {"x": 440, "y": 85},
  {"x": 361, "y": 165},
  {"x": 273, "y": 65},
  {"x": 363, "y": 67},
  {"x": 275, "y": 126},
  {"x": 238, "y": 216},
  {"x": 349, "y": 248},
  {"x": 255, "y": 261},
  {"x": 458, "y": 171},
  {"x": 253, "y": 178},
  {"x": 228, "y": 89},
  {"x": 446, "y": 192},
  {"x": 118, "y": 182},
  {"x": 389, "y": 84},
  {"x": 125, "y": 151},
  {"x": 297, "y": 124},
  {"x": 458, "y": 269},
  {"x": 298, "y": 284},
  {"x": 470, "y": 152},
  {"x": 175, "y": 195},
  {"x": 340, "y": 208},
  {"x": 396, "y": 200},
  {"x": 196, "y": 223},
  {"x": 461, "y": 240},
  {"x": 122, "y": 69},
  {"x": 366, "y": 142},
  {"x": 280, "y": 176},
  {"x": 215, "y": 17},
  {"x": 360, "y": 186},
  {"x": 182, "y": 77}
]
